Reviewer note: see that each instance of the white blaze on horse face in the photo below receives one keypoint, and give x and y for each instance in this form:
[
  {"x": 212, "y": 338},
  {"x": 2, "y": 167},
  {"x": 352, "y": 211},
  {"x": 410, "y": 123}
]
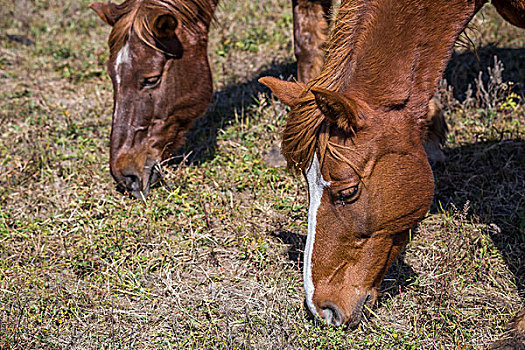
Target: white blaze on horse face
[
  {"x": 123, "y": 56},
  {"x": 316, "y": 185}
]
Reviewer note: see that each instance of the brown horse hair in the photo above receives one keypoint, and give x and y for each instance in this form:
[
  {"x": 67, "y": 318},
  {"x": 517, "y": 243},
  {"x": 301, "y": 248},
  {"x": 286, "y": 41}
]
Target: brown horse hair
[
  {"x": 135, "y": 15},
  {"x": 306, "y": 130}
]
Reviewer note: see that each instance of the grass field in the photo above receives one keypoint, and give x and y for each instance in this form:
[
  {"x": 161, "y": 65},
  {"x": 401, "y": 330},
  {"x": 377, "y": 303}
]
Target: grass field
[{"x": 212, "y": 260}]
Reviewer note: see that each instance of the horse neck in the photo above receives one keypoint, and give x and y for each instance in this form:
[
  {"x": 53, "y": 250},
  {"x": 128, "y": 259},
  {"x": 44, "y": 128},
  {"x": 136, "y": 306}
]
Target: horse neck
[{"x": 391, "y": 54}]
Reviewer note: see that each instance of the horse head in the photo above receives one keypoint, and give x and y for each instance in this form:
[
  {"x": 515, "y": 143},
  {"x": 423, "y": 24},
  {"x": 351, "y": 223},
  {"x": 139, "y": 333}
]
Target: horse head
[
  {"x": 369, "y": 184},
  {"x": 161, "y": 82}
]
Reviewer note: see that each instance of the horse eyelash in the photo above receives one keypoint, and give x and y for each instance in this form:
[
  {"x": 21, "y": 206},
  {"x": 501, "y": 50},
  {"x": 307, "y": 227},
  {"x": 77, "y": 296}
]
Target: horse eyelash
[
  {"x": 146, "y": 82},
  {"x": 342, "y": 197}
]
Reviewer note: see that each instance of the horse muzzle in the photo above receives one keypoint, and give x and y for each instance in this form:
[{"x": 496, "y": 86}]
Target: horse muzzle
[
  {"x": 136, "y": 180},
  {"x": 348, "y": 313}
]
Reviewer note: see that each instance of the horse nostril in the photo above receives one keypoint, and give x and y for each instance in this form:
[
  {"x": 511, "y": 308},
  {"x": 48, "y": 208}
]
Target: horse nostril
[
  {"x": 135, "y": 183},
  {"x": 132, "y": 181},
  {"x": 332, "y": 314}
]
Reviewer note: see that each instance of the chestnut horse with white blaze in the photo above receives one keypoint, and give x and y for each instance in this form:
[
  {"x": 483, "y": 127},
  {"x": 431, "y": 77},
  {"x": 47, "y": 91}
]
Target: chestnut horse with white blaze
[
  {"x": 356, "y": 132},
  {"x": 161, "y": 76}
]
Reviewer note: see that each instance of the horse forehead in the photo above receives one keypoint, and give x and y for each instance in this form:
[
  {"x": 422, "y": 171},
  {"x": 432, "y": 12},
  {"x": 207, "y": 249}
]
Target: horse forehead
[
  {"x": 314, "y": 177},
  {"x": 123, "y": 57}
]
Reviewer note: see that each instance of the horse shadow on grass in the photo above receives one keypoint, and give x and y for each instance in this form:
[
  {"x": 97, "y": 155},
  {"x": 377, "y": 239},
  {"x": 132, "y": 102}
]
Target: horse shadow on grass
[
  {"x": 489, "y": 175},
  {"x": 228, "y": 102},
  {"x": 490, "y": 178},
  {"x": 465, "y": 67}
]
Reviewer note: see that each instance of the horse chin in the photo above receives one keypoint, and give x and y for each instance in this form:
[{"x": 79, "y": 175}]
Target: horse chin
[{"x": 363, "y": 307}]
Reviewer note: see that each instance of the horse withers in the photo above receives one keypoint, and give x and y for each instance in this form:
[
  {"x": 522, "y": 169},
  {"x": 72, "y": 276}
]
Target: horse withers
[{"x": 356, "y": 133}]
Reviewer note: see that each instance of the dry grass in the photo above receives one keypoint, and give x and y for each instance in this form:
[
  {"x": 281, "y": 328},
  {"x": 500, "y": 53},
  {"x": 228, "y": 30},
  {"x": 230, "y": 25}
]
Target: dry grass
[{"x": 212, "y": 260}]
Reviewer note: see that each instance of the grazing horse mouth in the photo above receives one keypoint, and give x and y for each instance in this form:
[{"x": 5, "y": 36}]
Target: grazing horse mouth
[
  {"x": 333, "y": 315},
  {"x": 133, "y": 185},
  {"x": 360, "y": 310}
]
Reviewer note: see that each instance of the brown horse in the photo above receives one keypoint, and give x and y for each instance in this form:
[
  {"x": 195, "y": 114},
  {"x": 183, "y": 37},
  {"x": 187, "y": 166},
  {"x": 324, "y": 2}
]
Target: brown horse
[
  {"x": 162, "y": 80},
  {"x": 356, "y": 133}
]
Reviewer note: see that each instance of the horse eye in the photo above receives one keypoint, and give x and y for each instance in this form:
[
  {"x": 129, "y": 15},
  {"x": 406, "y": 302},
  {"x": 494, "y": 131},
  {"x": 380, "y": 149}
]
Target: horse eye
[
  {"x": 150, "y": 81},
  {"x": 348, "y": 195}
]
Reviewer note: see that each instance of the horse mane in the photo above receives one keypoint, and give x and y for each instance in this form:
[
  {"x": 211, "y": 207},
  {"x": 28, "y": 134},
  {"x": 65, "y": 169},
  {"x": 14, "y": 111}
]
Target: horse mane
[
  {"x": 306, "y": 129},
  {"x": 387, "y": 54},
  {"x": 135, "y": 15}
]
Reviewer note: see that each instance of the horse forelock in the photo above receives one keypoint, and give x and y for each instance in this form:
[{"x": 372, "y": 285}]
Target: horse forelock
[
  {"x": 306, "y": 131},
  {"x": 135, "y": 16},
  {"x": 301, "y": 132}
]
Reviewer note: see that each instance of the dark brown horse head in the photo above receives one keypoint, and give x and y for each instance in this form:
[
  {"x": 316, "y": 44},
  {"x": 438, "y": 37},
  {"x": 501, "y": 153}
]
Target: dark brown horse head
[
  {"x": 161, "y": 82},
  {"x": 369, "y": 183}
]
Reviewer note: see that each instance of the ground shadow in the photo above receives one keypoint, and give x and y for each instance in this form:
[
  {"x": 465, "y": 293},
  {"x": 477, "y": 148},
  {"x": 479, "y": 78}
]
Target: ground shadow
[
  {"x": 201, "y": 141},
  {"x": 490, "y": 177},
  {"x": 466, "y": 66},
  {"x": 397, "y": 278},
  {"x": 296, "y": 243}
]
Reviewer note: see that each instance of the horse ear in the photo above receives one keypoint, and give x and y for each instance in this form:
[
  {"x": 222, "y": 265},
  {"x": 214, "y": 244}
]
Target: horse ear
[
  {"x": 286, "y": 91},
  {"x": 337, "y": 108},
  {"x": 106, "y": 11},
  {"x": 164, "y": 26},
  {"x": 166, "y": 39}
]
